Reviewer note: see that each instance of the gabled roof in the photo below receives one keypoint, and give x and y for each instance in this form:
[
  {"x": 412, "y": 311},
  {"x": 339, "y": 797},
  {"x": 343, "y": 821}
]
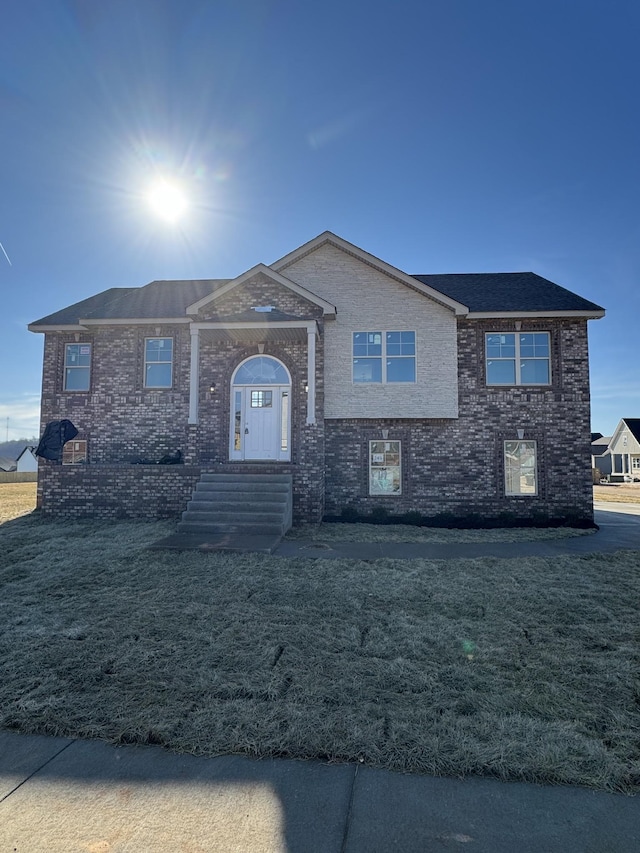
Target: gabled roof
[
  {"x": 7, "y": 464},
  {"x": 157, "y": 300},
  {"x": 509, "y": 292},
  {"x": 600, "y": 445},
  {"x": 468, "y": 294},
  {"x": 633, "y": 425},
  {"x": 329, "y": 238},
  {"x": 29, "y": 448},
  {"x": 630, "y": 424},
  {"x": 271, "y": 274}
]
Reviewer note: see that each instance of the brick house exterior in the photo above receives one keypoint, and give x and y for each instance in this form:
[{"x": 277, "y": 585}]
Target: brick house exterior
[{"x": 443, "y": 395}]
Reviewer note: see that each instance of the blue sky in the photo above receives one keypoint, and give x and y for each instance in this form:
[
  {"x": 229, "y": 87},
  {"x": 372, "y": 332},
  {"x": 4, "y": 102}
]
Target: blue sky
[{"x": 449, "y": 136}]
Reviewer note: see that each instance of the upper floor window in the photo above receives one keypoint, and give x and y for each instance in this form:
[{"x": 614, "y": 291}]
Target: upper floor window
[
  {"x": 158, "y": 362},
  {"x": 384, "y": 356},
  {"x": 518, "y": 358},
  {"x": 77, "y": 367}
]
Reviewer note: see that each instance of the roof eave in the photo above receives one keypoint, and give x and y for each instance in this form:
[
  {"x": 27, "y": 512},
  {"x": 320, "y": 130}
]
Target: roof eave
[
  {"x": 56, "y": 327},
  {"x": 135, "y": 321},
  {"x": 497, "y": 315}
]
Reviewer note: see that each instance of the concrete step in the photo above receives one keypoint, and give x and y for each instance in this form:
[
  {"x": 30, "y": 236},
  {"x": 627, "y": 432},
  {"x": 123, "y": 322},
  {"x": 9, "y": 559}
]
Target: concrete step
[
  {"x": 242, "y": 486},
  {"x": 239, "y": 498},
  {"x": 256, "y": 529},
  {"x": 204, "y": 516},
  {"x": 238, "y": 478},
  {"x": 247, "y": 507},
  {"x": 239, "y": 503}
]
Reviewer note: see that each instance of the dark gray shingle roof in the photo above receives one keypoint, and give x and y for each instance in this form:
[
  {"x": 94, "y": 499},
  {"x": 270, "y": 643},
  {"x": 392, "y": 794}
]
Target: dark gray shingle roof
[
  {"x": 490, "y": 292},
  {"x": 168, "y": 299},
  {"x": 634, "y": 427},
  {"x": 507, "y": 291}
]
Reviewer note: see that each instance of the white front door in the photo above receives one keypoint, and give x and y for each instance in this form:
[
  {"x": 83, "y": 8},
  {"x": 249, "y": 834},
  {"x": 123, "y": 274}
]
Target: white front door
[{"x": 261, "y": 422}]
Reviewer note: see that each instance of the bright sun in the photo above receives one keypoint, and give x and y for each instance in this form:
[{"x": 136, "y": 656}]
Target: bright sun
[{"x": 167, "y": 200}]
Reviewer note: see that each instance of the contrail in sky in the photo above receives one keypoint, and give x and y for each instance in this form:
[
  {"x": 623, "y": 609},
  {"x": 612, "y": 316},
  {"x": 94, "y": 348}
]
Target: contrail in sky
[{"x": 5, "y": 254}]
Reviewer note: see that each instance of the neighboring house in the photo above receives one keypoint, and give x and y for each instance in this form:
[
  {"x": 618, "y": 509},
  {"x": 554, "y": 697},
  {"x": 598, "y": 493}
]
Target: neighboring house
[
  {"x": 600, "y": 459},
  {"x": 624, "y": 450},
  {"x": 7, "y": 465},
  {"x": 440, "y": 394},
  {"x": 27, "y": 461}
]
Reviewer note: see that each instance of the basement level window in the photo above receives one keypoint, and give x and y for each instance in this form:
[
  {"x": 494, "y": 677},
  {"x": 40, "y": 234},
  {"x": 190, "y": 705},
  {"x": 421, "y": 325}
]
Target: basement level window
[
  {"x": 75, "y": 453},
  {"x": 520, "y": 468},
  {"x": 385, "y": 475}
]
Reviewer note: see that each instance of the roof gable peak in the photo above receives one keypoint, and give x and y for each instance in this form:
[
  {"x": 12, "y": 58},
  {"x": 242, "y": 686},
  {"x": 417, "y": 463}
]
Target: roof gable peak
[{"x": 273, "y": 275}]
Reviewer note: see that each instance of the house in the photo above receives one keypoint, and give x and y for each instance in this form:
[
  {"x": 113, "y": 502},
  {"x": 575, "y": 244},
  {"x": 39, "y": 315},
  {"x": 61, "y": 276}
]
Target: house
[
  {"x": 367, "y": 387},
  {"x": 7, "y": 465},
  {"x": 600, "y": 459},
  {"x": 27, "y": 461},
  {"x": 624, "y": 451}
]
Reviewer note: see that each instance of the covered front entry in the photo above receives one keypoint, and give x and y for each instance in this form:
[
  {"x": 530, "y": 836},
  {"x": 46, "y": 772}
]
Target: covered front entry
[{"x": 260, "y": 422}]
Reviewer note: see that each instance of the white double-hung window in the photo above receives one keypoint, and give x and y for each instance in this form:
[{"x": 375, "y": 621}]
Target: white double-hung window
[
  {"x": 520, "y": 468},
  {"x": 158, "y": 362},
  {"x": 384, "y": 357},
  {"x": 518, "y": 358},
  {"x": 77, "y": 367}
]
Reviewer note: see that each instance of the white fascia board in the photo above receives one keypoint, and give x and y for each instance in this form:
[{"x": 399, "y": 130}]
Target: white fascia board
[
  {"x": 327, "y": 307},
  {"x": 309, "y": 325},
  {"x": 499, "y": 315},
  {"x": 136, "y": 321},
  {"x": 372, "y": 261},
  {"x": 34, "y": 327}
]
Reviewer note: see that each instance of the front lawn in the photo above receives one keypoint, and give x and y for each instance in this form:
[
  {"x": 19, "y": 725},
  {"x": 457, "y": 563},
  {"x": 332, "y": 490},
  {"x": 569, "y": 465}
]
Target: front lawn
[{"x": 520, "y": 669}]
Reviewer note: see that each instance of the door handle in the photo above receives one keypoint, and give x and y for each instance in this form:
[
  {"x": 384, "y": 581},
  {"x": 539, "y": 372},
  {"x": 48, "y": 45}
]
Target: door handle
[{"x": 246, "y": 430}]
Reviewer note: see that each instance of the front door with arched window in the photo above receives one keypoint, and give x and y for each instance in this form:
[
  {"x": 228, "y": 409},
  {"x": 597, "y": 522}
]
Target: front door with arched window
[{"x": 260, "y": 410}]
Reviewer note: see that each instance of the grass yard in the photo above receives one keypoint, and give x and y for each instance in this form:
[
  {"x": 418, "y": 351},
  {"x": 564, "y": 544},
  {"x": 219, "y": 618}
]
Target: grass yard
[
  {"x": 16, "y": 499},
  {"x": 520, "y": 669},
  {"x": 618, "y": 493}
]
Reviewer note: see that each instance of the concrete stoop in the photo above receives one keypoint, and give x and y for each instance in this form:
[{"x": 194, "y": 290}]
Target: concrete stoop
[{"x": 252, "y": 504}]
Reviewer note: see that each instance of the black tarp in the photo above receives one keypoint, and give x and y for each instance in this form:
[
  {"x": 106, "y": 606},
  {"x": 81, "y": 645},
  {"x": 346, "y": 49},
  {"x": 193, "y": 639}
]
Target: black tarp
[{"x": 55, "y": 436}]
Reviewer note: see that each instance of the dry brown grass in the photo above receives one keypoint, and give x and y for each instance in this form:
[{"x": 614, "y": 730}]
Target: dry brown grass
[
  {"x": 520, "y": 669},
  {"x": 16, "y": 499},
  {"x": 618, "y": 493}
]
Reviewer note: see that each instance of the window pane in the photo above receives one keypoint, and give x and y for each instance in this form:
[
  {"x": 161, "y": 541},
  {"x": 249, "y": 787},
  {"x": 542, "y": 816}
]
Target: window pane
[
  {"x": 534, "y": 372},
  {"x": 501, "y": 372},
  {"x": 501, "y": 346},
  {"x": 78, "y": 355},
  {"x": 158, "y": 376},
  {"x": 367, "y": 370},
  {"x": 384, "y": 468},
  {"x": 520, "y": 467},
  {"x": 76, "y": 379},
  {"x": 261, "y": 399},
  {"x": 401, "y": 370},
  {"x": 159, "y": 349},
  {"x": 261, "y": 370}
]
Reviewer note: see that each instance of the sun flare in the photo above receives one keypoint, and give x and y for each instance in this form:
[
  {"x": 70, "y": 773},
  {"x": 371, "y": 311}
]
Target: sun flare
[{"x": 167, "y": 200}]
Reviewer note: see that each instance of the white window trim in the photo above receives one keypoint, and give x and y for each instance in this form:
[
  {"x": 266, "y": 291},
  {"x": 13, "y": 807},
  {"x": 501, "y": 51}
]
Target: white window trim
[
  {"x": 517, "y": 359},
  {"x": 371, "y": 467},
  {"x": 383, "y": 356},
  {"x": 144, "y": 368},
  {"x": 77, "y": 367},
  {"x": 506, "y": 479}
]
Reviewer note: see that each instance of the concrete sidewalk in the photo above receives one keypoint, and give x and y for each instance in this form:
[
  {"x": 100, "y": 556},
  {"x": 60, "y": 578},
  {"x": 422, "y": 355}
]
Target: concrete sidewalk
[{"x": 68, "y": 796}]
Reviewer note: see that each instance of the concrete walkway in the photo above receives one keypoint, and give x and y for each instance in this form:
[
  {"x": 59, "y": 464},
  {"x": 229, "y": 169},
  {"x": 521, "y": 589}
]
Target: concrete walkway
[
  {"x": 67, "y": 796},
  {"x": 61, "y": 796}
]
